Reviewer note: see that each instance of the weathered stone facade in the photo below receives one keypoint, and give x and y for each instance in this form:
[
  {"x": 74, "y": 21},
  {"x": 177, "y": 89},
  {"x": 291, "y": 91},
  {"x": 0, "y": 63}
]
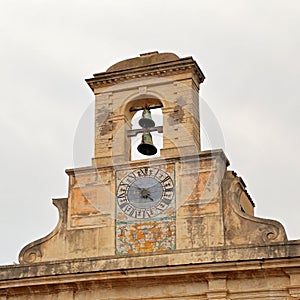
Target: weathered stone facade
[{"x": 202, "y": 241}]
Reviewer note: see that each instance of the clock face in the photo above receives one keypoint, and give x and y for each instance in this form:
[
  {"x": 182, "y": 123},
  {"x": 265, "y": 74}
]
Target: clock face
[{"x": 145, "y": 193}]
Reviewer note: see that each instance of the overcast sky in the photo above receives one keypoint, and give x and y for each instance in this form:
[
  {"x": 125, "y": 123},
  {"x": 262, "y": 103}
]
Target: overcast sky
[{"x": 247, "y": 49}]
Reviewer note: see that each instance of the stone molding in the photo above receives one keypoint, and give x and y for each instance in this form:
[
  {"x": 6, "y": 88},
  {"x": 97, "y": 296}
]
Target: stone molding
[
  {"x": 32, "y": 252},
  {"x": 217, "y": 260},
  {"x": 216, "y": 280},
  {"x": 157, "y": 70}
]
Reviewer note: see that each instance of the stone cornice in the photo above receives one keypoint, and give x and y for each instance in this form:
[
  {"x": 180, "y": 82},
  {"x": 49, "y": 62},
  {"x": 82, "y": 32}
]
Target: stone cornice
[
  {"x": 166, "y": 264},
  {"x": 207, "y": 154},
  {"x": 156, "y": 70}
]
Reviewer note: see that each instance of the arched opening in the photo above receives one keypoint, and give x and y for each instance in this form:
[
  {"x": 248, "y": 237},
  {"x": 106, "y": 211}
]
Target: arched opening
[{"x": 157, "y": 137}]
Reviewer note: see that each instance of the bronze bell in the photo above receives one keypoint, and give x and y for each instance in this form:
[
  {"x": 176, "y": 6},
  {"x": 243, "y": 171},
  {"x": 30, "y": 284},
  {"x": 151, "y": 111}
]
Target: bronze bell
[
  {"x": 146, "y": 120},
  {"x": 146, "y": 147}
]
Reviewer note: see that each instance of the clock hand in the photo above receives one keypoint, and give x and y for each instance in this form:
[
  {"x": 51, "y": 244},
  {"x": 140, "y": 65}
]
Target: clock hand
[
  {"x": 137, "y": 187},
  {"x": 154, "y": 185},
  {"x": 150, "y": 198}
]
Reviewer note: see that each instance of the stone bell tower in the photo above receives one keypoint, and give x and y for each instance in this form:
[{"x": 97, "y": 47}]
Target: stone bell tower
[
  {"x": 157, "y": 80},
  {"x": 180, "y": 225}
]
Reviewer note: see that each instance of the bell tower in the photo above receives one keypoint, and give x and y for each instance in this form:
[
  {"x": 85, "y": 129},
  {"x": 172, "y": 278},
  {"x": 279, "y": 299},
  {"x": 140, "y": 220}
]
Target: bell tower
[
  {"x": 154, "y": 80},
  {"x": 146, "y": 191},
  {"x": 179, "y": 200}
]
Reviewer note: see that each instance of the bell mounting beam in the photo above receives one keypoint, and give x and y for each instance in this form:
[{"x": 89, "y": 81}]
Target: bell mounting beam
[
  {"x": 137, "y": 108},
  {"x": 134, "y": 132}
]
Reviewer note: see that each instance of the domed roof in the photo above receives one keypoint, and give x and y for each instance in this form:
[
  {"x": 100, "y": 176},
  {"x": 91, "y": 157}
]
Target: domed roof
[{"x": 144, "y": 59}]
